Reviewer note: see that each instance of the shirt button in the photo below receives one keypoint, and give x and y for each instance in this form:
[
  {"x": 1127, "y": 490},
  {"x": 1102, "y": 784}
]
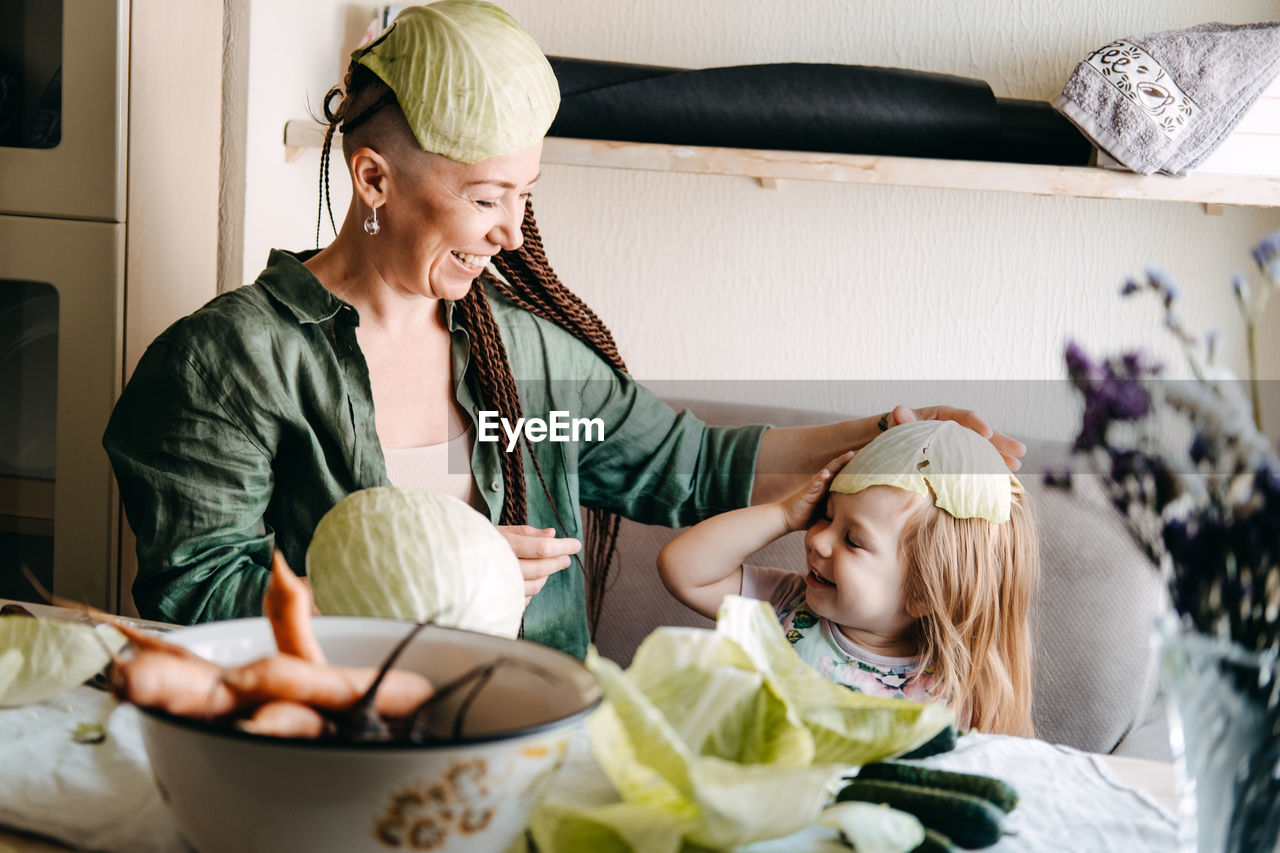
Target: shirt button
[{"x": 495, "y": 486}]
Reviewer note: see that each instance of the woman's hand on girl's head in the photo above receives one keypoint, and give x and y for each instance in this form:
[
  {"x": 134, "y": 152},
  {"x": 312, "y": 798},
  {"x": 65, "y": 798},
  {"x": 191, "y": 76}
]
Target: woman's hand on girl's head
[
  {"x": 540, "y": 552},
  {"x": 1010, "y": 448},
  {"x": 799, "y": 507}
]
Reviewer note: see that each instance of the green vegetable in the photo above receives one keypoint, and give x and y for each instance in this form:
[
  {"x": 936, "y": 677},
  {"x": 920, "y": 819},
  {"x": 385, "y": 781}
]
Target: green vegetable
[
  {"x": 414, "y": 555},
  {"x": 40, "y": 658},
  {"x": 943, "y": 741},
  {"x": 935, "y": 842},
  {"x": 967, "y": 820},
  {"x": 89, "y": 733},
  {"x": 710, "y": 739},
  {"x": 994, "y": 791}
]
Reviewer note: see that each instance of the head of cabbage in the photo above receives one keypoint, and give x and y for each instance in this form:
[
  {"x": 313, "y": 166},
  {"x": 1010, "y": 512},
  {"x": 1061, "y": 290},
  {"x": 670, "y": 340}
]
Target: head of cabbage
[{"x": 411, "y": 554}]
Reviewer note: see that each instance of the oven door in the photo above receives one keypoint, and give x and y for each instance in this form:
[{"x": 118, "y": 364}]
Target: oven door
[
  {"x": 63, "y": 108},
  {"x": 61, "y": 309}
]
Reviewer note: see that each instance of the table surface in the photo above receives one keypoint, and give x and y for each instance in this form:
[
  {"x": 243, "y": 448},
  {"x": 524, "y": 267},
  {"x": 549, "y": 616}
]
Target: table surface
[{"x": 1155, "y": 778}]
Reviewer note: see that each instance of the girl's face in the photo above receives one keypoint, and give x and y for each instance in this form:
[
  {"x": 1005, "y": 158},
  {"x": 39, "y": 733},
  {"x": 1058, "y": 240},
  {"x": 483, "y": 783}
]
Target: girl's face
[
  {"x": 445, "y": 221},
  {"x": 856, "y": 571}
]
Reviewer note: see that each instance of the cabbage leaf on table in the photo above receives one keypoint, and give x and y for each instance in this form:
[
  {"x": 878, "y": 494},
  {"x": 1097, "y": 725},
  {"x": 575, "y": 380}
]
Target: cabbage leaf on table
[
  {"x": 40, "y": 658},
  {"x": 717, "y": 739}
]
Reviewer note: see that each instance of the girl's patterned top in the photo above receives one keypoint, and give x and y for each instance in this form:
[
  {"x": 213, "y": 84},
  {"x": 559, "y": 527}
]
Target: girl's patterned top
[{"x": 821, "y": 644}]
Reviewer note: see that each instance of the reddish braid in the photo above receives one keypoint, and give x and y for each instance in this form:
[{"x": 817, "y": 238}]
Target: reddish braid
[
  {"x": 540, "y": 292},
  {"x": 498, "y": 390},
  {"x": 532, "y": 284}
]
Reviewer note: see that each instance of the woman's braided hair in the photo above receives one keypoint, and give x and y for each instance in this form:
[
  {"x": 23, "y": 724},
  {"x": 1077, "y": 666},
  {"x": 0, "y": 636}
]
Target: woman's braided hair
[{"x": 530, "y": 283}]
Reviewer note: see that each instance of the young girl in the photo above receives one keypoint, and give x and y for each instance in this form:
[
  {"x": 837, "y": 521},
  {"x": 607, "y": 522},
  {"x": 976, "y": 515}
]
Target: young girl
[{"x": 921, "y": 565}]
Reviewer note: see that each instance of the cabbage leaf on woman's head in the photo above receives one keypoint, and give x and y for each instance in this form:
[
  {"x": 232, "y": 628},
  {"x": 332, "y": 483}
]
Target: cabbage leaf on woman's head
[{"x": 471, "y": 82}]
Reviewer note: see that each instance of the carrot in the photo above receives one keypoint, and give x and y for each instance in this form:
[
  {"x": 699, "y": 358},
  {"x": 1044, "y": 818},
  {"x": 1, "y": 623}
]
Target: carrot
[
  {"x": 287, "y": 606},
  {"x": 287, "y": 695},
  {"x": 184, "y": 686},
  {"x": 282, "y": 718},
  {"x": 142, "y": 641},
  {"x": 329, "y": 688}
]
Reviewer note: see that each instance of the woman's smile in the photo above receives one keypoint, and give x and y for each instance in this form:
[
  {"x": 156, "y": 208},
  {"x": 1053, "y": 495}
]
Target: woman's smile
[{"x": 471, "y": 262}]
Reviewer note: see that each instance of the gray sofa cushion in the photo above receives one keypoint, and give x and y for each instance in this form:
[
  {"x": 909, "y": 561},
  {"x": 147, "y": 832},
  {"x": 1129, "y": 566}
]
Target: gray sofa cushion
[{"x": 1094, "y": 662}]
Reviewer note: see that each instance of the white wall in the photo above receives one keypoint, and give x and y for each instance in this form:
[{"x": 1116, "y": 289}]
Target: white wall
[{"x": 715, "y": 278}]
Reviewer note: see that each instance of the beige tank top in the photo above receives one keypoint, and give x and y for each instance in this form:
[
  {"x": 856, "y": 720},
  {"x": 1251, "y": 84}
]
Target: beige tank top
[{"x": 444, "y": 468}]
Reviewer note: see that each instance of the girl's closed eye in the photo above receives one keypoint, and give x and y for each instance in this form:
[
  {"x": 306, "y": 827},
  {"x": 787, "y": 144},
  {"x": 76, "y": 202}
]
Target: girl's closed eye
[
  {"x": 484, "y": 203},
  {"x": 848, "y": 540}
]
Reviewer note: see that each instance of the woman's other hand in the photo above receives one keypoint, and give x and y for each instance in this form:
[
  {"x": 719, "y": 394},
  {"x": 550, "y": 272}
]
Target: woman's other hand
[
  {"x": 1010, "y": 448},
  {"x": 540, "y": 552}
]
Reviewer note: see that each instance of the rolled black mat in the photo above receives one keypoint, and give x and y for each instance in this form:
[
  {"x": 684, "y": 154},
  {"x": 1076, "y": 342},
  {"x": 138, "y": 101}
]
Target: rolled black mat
[
  {"x": 1034, "y": 132},
  {"x": 849, "y": 109}
]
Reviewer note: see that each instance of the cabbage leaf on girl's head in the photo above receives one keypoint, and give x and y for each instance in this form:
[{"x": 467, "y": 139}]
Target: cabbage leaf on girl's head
[
  {"x": 960, "y": 470},
  {"x": 721, "y": 738}
]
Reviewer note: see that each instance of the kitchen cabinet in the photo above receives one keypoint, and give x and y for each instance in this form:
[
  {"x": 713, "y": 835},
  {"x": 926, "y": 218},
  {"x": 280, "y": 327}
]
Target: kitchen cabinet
[{"x": 110, "y": 146}]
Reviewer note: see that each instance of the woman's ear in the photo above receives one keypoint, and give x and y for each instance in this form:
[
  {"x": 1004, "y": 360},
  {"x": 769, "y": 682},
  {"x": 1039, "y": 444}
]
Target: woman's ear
[{"x": 369, "y": 174}]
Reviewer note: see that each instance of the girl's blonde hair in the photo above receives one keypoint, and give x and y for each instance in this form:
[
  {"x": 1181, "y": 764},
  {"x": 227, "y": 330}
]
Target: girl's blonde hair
[{"x": 969, "y": 585}]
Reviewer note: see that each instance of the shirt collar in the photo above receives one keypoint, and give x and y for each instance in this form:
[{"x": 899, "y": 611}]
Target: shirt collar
[{"x": 293, "y": 286}]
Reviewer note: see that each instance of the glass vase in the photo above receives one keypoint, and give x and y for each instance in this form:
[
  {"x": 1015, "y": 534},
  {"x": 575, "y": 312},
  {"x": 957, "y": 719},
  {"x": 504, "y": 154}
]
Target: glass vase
[{"x": 1224, "y": 728}]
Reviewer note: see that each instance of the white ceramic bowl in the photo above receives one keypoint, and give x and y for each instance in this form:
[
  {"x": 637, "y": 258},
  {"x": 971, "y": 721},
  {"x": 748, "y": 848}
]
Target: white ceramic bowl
[{"x": 235, "y": 792}]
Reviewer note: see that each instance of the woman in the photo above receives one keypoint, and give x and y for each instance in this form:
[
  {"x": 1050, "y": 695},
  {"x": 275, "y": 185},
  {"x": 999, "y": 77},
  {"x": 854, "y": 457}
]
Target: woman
[{"x": 246, "y": 421}]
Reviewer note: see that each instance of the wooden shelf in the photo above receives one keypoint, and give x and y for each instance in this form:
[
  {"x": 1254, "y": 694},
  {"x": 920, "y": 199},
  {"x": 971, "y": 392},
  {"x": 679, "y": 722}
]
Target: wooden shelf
[{"x": 771, "y": 167}]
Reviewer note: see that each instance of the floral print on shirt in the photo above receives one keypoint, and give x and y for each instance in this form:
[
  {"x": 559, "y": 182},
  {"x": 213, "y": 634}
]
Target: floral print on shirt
[{"x": 811, "y": 636}]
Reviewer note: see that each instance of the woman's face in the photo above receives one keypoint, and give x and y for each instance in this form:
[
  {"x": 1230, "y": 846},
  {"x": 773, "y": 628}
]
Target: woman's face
[
  {"x": 443, "y": 220},
  {"x": 856, "y": 573}
]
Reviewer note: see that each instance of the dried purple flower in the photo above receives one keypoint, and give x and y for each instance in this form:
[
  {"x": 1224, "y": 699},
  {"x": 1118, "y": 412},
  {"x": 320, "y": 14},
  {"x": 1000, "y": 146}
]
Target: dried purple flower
[
  {"x": 1058, "y": 478},
  {"x": 1201, "y": 449},
  {"x": 1211, "y": 336},
  {"x": 1111, "y": 393},
  {"x": 1240, "y": 287},
  {"x": 1079, "y": 367},
  {"x": 1207, "y": 505},
  {"x": 1267, "y": 254},
  {"x": 1160, "y": 280}
]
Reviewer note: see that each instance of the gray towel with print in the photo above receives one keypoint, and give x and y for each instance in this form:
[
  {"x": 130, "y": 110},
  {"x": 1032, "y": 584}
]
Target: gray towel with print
[{"x": 1162, "y": 102}]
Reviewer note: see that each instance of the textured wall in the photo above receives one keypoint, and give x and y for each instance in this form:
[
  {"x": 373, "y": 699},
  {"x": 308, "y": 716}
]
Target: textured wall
[{"x": 715, "y": 278}]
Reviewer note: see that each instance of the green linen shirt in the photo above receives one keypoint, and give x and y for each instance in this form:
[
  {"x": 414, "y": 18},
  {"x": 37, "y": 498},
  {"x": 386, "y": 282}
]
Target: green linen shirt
[{"x": 248, "y": 420}]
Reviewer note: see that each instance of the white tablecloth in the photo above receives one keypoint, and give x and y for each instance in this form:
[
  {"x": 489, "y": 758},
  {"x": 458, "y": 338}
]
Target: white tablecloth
[
  {"x": 101, "y": 796},
  {"x": 96, "y": 796}
]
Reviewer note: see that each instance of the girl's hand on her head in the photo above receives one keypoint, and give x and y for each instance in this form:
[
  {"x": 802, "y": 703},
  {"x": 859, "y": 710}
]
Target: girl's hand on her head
[
  {"x": 540, "y": 552},
  {"x": 1010, "y": 448},
  {"x": 798, "y": 508}
]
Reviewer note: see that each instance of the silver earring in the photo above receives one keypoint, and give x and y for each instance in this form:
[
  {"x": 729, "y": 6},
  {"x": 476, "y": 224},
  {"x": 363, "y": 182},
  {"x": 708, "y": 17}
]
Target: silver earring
[{"x": 371, "y": 225}]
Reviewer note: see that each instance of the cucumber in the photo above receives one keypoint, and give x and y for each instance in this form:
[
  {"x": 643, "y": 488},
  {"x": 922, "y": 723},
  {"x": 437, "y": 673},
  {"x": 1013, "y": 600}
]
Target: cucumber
[
  {"x": 943, "y": 741},
  {"x": 998, "y": 793},
  {"x": 935, "y": 842},
  {"x": 968, "y": 821}
]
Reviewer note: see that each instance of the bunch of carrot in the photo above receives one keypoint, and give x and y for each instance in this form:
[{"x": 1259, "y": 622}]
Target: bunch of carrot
[{"x": 295, "y": 693}]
